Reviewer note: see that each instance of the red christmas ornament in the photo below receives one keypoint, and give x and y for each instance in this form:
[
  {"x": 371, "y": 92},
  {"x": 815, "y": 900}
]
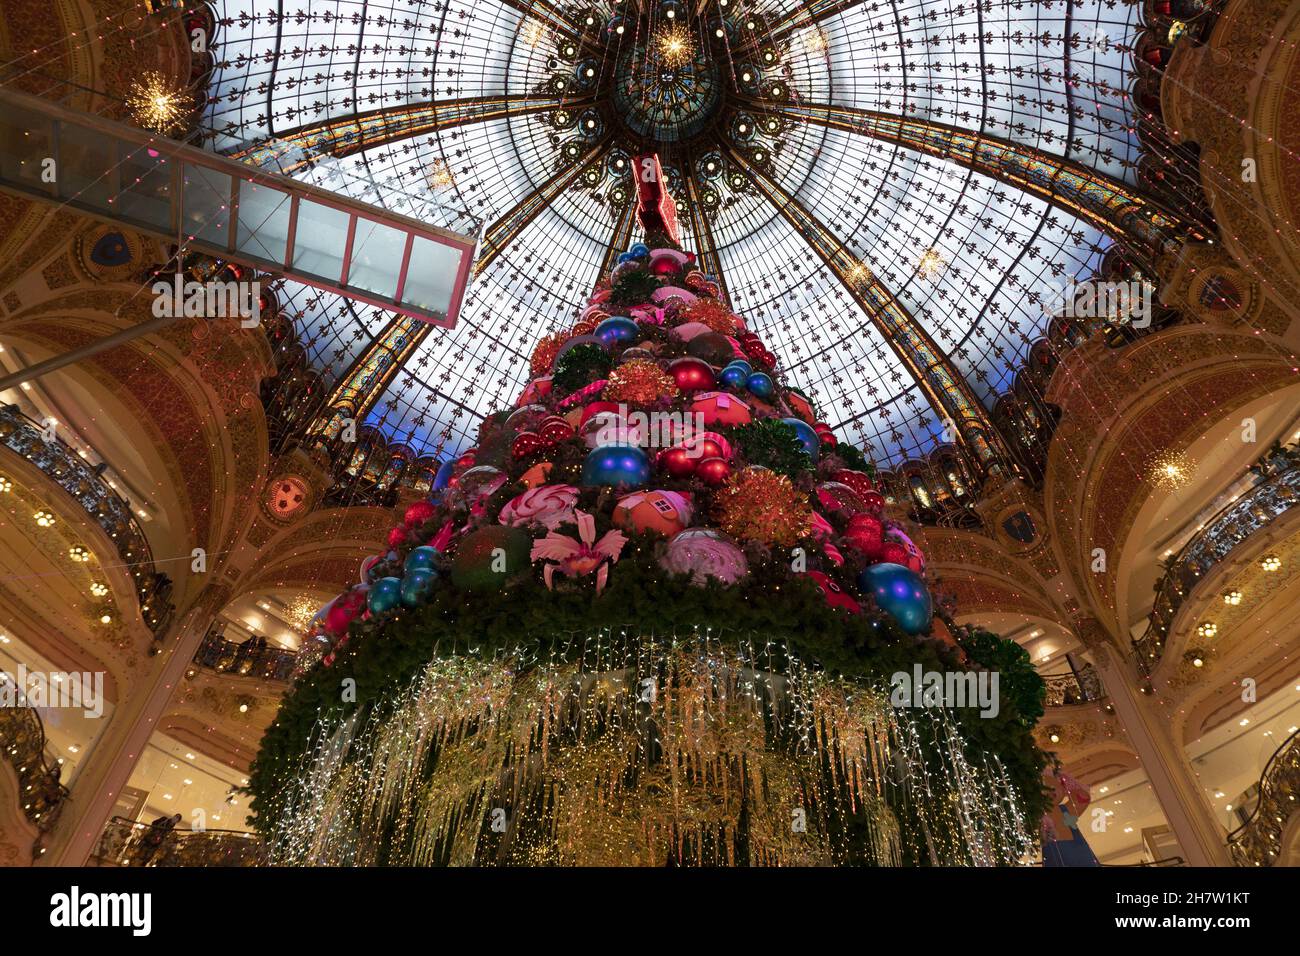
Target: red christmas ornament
[
  {"x": 713, "y": 471},
  {"x": 893, "y": 553},
  {"x": 397, "y": 537},
  {"x": 835, "y": 595},
  {"x": 857, "y": 480},
  {"x": 874, "y": 501},
  {"x": 691, "y": 374},
  {"x": 865, "y": 533},
  {"x": 677, "y": 462},
  {"x": 418, "y": 513}
]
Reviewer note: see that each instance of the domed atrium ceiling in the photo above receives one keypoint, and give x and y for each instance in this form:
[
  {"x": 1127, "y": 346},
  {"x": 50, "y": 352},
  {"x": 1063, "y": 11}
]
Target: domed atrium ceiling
[{"x": 891, "y": 193}]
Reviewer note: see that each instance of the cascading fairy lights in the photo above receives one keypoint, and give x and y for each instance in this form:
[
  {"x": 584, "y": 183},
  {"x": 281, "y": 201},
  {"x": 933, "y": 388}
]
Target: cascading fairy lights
[{"x": 645, "y": 753}]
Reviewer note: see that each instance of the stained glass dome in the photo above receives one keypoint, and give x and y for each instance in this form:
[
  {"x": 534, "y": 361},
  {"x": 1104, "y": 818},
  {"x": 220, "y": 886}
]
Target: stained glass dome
[{"x": 890, "y": 192}]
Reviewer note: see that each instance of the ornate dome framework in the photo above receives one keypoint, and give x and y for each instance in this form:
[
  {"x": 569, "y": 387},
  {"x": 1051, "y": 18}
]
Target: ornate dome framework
[{"x": 893, "y": 193}]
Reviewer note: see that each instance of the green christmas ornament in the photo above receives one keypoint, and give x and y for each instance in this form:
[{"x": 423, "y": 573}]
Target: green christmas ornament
[{"x": 486, "y": 558}]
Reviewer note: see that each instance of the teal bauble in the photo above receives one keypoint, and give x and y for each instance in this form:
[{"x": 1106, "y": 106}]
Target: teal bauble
[
  {"x": 760, "y": 384},
  {"x": 422, "y": 558},
  {"x": 741, "y": 364},
  {"x": 900, "y": 593},
  {"x": 733, "y": 376},
  {"x": 623, "y": 466},
  {"x": 417, "y": 586},
  {"x": 384, "y": 595},
  {"x": 807, "y": 437},
  {"x": 617, "y": 330}
]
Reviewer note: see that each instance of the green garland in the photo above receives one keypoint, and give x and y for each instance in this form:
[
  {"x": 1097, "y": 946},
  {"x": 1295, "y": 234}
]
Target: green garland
[
  {"x": 643, "y": 599},
  {"x": 773, "y": 444},
  {"x": 581, "y": 365}
]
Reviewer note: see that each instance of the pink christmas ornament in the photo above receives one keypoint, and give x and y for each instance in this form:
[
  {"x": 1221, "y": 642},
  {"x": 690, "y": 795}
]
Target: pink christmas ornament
[
  {"x": 548, "y": 506},
  {"x": 704, "y": 553}
]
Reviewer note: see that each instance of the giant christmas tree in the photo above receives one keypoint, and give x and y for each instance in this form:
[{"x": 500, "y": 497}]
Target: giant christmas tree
[{"x": 651, "y": 618}]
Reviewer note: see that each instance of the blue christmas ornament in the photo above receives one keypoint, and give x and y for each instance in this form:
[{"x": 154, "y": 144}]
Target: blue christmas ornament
[
  {"x": 807, "y": 437},
  {"x": 639, "y": 251},
  {"x": 444, "y": 474},
  {"x": 625, "y": 466},
  {"x": 742, "y": 365},
  {"x": 420, "y": 559},
  {"x": 900, "y": 593},
  {"x": 760, "y": 384},
  {"x": 385, "y": 594},
  {"x": 617, "y": 330},
  {"x": 624, "y": 257},
  {"x": 417, "y": 586},
  {"x": 733, "y": 376}
]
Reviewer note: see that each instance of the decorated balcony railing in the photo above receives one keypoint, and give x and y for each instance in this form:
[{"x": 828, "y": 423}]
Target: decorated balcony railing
[
  {"x": 22, "y": 744},
  {"x": 128, "y": 843},
  {"x": 1080, "y": 687},
  {"x": 1258, "y": 841},
  {"x": 1276, "y": 492},
  {"x": 251, "y": 658},
  {"x": 105, "y": 506}
]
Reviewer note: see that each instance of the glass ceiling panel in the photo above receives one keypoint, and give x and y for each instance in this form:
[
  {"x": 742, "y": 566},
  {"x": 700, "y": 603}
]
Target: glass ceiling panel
[{"x": 999, "y": 66}]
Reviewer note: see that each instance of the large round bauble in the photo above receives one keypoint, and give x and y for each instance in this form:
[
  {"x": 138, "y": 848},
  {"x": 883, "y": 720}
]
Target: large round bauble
[
  {"x": 385, "y": 594},
  {"x": 707, "y": 445},
  {"x": 444, "y": 474},
  {"x": 719, "y": 408},
  {"x": 807, "y": 437},
  {"x": 344, "y": 609},
  {"x": 417, "y": 586},
  {"x": 741, "y": 364},
  {"x": 857, "y": 480},
  {"x": 526, "y": 418},
  {"x": 760, "y": 384},
  {"x": 915, "y": 559},
  {"x": 900, "y": 593},
  {"x": 486, "y": 558},
  {"x": 607, "y": 428},
  {"x": 837, "y": 496},
  {"x": 733, "y": 376},
  {"x": 874, "y": 502},
  {"x": 866, "y": 533},
  {"x": 891, "y": 552},
  {"x": 617, "y": 330},
  {"x": 573, "y": 343},
  {"x": 713, "y": 347},
  {"x": 481, "y": 481},
  {"x": 714, "y": 472},
  {"x": 623, "y": 466},
  {"x": 663, "y": 512},
  {"x": 622, "y": 269},
  {"x": 665, "y": 266},
  {"x": 636, "y": 353},
  {"x": 704, "y": 553},
  {"x": 639, "y": 250},
  {"x": 422, "y": 558},
  {"x": 691, "y": 374},
  {"x": 690, "y": 330},
  {"x": 676, "y": 462},
  {"x": 397, "y": 537}
]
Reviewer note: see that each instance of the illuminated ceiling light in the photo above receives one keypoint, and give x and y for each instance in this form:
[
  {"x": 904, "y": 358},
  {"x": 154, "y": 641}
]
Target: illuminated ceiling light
[
  {"x": 157, "y": 105},
  {"x": 673, "y": 46},
  {"x": 439, "y": 175},
  {"x": 300, "y": 612},
  {"x": 1271, "y": 562},
  {"x": 814, "y": 41},
  {"x": 859, "y": 274},
  {"x": 670, "y": 14},
  {"x": 1208, "y": 629},
  {"x": 1232, "y": 597},
  {"x": 719, "y": 33},
  {"x": 533, "y": 33},
  {"x": 44, "y": 519},
  {"x": 105, "y": 619},
  {"x": 243, "y": 708},
  {"x": 1055, "y": 738},
  {"x": 930, "y": 264},
  {"x": 1197, "y": 662},
  {"x": 6, "y": 485},
  {"x": 619, "y": 30},
  {"x": 1170, "y": 471},
  {"x": 79, "y": 554}
]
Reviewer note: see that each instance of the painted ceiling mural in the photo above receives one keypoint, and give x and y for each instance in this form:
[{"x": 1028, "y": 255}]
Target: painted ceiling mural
[{"x": 825, "y": 155}]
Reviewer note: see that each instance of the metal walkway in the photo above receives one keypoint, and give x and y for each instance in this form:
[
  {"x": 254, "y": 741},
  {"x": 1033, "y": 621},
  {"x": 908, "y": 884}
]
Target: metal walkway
[{"x": 207, "y": 203}]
